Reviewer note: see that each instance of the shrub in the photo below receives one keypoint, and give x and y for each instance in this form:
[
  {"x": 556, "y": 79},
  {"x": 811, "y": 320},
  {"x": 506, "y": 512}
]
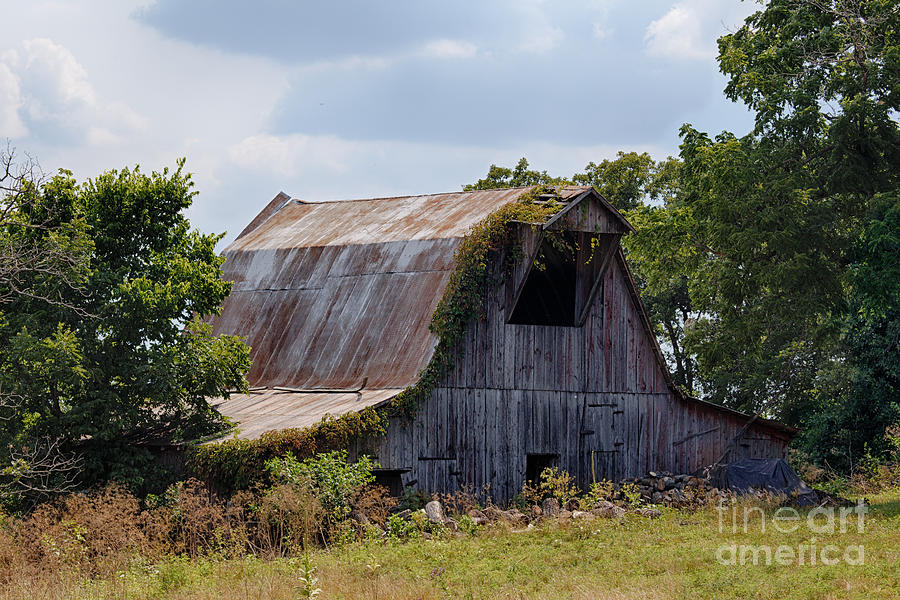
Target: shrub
[
  {"x": 236, "y": 464},
  {"x": 413, "y": 498},
  {"x": 93, "y": 533},
  {"x": 600, "y": 490},
  {"x": 459, "y": 502},
  {"x": 333, "y": 480},
  {"x": 631, "y": 493},
  {"x": 557, "y": 484},
  {"x": 398, "y": 528},
  {"x": 288, "y": 518}
]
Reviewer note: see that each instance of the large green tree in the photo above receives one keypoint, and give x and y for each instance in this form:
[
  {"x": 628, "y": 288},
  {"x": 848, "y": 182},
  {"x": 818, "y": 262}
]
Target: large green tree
[
  {"x": 771, "y": 229},
  {"x": 107, "y": 350}
]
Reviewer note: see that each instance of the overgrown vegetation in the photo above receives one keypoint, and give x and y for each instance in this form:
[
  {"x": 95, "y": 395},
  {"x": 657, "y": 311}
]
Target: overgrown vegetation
[
  {"x": 192, "y": 546},
  {"x": 237, "y": 464}
]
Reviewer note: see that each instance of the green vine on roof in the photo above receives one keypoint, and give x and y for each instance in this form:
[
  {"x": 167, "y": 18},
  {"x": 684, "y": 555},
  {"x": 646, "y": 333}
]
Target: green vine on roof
[{"x": 237, "y": 464}]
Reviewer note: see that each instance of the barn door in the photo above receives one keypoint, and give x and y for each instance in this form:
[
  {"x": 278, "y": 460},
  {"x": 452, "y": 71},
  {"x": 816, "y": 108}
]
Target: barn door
[{"x": 602, "y": 446}]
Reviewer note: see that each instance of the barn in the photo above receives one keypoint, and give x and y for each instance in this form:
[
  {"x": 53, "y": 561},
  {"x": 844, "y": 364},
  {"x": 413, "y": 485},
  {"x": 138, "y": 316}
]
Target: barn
[{"x": 561, "y": 368}]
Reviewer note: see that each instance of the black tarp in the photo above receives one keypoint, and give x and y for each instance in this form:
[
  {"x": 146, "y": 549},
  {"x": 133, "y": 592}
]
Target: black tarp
[{"x": 769, "y": 474}]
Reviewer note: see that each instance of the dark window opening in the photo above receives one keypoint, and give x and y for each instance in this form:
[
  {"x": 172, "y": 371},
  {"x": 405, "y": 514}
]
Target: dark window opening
[
  {"x": 392, "y": 479},
  {"x": 549, "y": 293},
  {"x": 536, "y": 463}
]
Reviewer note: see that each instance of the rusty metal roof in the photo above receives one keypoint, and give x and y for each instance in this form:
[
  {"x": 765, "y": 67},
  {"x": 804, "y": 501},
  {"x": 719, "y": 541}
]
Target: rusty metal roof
[{"x": 330, "y": 294}]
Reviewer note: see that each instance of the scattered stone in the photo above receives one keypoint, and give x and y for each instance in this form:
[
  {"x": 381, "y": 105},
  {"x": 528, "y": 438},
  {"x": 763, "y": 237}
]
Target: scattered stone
[
  {"x": 492, "y": 513},
  {"x": 514, "y": 517},
  {"x": 435, "y": 512},
  {"x": 607, "y": 510},
  {"x": 580, "y": 514},
  {"x": 451, "y": 524},
  {"x": 404, "y": 514},
  {"x": 535, "y": 512},
  {"x": 477, "y": 517},
  {"x": 650, "y": 513},
  {"x": 550, "y": 507},
  {"x": 564, "y": 516},
  {"x": 678, "y": 490},
  {"x": 572, "y": 505}
]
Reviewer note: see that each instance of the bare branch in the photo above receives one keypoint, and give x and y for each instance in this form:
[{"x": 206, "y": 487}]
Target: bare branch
[
  {"x": 41, "y": 469},
  {"x": 40, "y": 258}
]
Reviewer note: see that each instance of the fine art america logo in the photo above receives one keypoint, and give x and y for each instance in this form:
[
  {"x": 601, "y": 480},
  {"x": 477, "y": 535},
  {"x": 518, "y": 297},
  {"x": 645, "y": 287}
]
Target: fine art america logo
[{"x": 824, "y": 522}]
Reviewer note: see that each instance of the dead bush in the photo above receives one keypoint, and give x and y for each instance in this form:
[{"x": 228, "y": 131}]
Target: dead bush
[
  {"x": 459, "y": 502},
  {"x": 375, "y": 502},
  {"x": 92, "y": 533},
  {"x": 280, "y": 521},
  {"x": 196, "y": 520}
]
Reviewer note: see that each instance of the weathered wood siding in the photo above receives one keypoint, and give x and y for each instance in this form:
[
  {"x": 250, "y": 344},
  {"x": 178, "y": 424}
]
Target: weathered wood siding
[{"x": 595, "y": 395}]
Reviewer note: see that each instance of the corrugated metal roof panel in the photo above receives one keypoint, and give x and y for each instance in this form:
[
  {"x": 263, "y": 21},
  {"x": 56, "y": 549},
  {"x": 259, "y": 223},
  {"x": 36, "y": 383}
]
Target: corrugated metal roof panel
[
  {"x": 375, "y": 220},
  {"x": 266, "y": 410}
]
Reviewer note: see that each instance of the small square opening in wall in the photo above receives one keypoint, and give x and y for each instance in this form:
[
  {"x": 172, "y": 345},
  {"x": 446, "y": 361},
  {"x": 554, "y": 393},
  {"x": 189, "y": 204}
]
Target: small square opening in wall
[
  {"x": 536, "y": 463},
  {"x": 392, "y": 479}
]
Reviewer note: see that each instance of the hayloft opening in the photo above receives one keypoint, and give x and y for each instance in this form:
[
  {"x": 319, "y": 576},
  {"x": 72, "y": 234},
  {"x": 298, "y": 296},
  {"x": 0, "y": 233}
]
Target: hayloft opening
[
  {"x": 565, "y": 276},
  {"x": 548, "y": 295}
]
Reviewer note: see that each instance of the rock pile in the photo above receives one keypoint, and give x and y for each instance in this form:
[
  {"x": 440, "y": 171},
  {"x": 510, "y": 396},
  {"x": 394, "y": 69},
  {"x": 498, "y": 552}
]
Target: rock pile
[{"x": 680, "y": 491}]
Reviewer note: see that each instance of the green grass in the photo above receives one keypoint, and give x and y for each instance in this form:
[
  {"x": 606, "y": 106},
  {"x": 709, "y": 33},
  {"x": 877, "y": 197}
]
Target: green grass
[{"x": 670, "y": 557}]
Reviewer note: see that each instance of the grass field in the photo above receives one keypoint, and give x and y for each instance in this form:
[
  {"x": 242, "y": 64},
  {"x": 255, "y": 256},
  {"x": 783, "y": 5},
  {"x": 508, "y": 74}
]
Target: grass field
[{"x": 674, "y": 556}]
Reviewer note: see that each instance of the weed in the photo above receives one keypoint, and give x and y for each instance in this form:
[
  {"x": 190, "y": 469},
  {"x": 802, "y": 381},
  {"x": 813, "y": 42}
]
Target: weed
[{"x": 308, "y": 579}]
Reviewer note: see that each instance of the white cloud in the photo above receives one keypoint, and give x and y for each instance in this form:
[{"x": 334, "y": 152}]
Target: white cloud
[
  {"x": 537, "y": 32},
  {"x": 449, "y": 49},
  {"x": 11, "y": 125},
  {"x": 600, "y": 26},
  {"x": 600, "y": 30},
  {"x": 426, "y": 166},
  {"x": 679, "y": 34},
  {"x": 286, "y": 155},
  {"x": 45, "y": 88}
]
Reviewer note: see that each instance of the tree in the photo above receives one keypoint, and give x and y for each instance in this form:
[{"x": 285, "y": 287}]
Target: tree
[
  {"x": 520, "y": 176},
  {"x": 860, "y": 394},
  {"x": 769, "y": 228},
  {"x": 113, "y": 352}
]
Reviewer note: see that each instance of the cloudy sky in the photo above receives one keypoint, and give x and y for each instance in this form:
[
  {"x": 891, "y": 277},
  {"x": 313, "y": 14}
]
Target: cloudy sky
[{"x": 354, "y": 98}]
